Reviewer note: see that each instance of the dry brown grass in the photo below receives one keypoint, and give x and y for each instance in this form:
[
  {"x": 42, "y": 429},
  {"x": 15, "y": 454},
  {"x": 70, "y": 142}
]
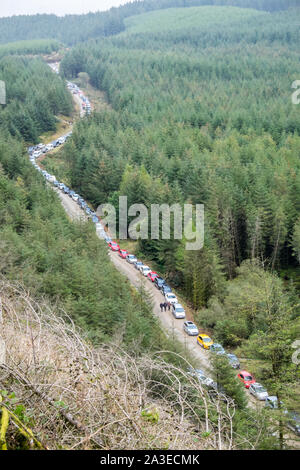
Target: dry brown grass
[{"x": 81, "y": 397}]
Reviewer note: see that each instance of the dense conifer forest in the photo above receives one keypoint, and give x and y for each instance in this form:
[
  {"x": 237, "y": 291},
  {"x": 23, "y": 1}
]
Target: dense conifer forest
[
  {"x": 73, "y": 29},
  {"x": 199, "y": 110},
  {"x": 204, "y": 115}
]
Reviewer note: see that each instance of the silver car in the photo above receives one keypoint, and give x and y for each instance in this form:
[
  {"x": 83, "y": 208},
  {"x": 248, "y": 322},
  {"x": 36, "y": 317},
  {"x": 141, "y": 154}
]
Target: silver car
[
  {"x": 190, "y": 328},
  {"x": 178, "y": 311},
  {"x": 258, "y": 391},
  {"x": 131, "y": 259}
]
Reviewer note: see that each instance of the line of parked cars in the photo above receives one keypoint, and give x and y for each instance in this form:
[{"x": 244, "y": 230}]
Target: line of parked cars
[
  {"x": 247, "y": 379},
  {"x": 85, "y": 103},
  {"x": 255, "y": 389}
]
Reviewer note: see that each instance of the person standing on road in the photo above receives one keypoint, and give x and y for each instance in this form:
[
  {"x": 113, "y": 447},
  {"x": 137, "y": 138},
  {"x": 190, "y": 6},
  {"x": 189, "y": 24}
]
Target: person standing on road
[
  {"x": 169, "y": 306},
  {"x": 161, "y": 307},
  {"x": 165, "y": 306}
]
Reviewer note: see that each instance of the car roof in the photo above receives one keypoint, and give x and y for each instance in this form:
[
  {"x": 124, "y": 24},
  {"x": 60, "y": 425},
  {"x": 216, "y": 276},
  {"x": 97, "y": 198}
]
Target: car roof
[
  {"x": 204, "y": 335},
  {"x": 245, "y": 372}
]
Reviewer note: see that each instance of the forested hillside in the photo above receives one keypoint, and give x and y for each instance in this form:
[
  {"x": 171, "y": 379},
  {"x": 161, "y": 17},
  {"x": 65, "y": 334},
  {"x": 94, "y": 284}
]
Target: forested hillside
[
  {"x": 40, "y": 248},
  {"x": 33, "y": 96},
  {"x": 205, "y": 115},
  {"x": 115, "y": 383},
  {"x": 34, "y": 47},
  {"x": 72, "y": 29}
]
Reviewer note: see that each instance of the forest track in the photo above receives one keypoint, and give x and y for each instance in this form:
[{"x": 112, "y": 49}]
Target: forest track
[{"x": 171, "y": 326}]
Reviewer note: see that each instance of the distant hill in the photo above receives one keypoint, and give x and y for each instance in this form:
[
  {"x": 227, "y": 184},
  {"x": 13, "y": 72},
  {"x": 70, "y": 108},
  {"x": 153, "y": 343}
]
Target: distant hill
[
  {"x": 73, "y": 29},
  {"x": 183, "y": 18}
]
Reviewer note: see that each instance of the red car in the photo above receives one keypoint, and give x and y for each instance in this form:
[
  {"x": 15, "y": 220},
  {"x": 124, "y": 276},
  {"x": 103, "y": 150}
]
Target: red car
[
  {"x": 153, "y": 275},
  {"x": 114, "y": 246},
  {"x": 123, "y": 253},
  {"x": 246, "y": 378}
]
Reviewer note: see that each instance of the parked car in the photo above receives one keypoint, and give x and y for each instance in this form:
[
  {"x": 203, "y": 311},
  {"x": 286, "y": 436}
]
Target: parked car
[
  {"x": 123, "y": 253},
  {"x": 233, "y": 361},
  {"x": 205, "y": 341},
  {"x": 75, "y": 197},
  {"x": 131, "y": 259},
  {"x": 152, "y": 276},
  {"x": 189, "y": 327},
  {"x": 166, "y": 289},
  {"x": 217, "y": 348},
  {"x": 272, "y": 402},
  {"x": 258, "y": 391},
  {"x": 178, "y": 311},
  {"x": 171, "y": 298},
  {"x": 198, "y": 373},
  {"x": 246, "y": 378},
  {"x": 145, "y": 270},
  {"x": 293, "y": 422},
  {"x": 208, "y": 382},
  {"x": 138, "y": 264},
  {"x": 95, "y": 219},
  {"x": 159, "y": 282},
  {"x": 114, "y": 246}
]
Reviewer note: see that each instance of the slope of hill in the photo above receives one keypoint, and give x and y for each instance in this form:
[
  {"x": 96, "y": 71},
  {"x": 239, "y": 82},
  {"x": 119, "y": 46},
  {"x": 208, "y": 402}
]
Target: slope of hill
[
  {"x": 182, "y": 18},
  {"x": 73, "y": 29},
  {"x": 63, "y": 393}
]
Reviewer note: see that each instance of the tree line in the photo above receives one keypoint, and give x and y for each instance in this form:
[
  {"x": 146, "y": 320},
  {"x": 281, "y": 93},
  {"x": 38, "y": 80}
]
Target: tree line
[
  {"x": 40, "y": 248},
  {"x": 72, "y": 29},
  {"x": 213, "y": 123}
]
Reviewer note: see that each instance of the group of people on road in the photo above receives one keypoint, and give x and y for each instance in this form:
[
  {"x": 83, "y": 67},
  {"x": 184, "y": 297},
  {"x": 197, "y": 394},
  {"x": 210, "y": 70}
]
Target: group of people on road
[{"x": 164, "y": 306}]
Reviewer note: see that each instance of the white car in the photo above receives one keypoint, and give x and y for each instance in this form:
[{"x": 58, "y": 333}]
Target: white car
[
  {"x": 171, "y": 298},
  {"x": 145, "y": 270},
  {"x": 190, "y": 327},
  {"x": 208, "y": 381},
  {"x": 75, "y": 197},
  {"x": 258, "y": 391}
]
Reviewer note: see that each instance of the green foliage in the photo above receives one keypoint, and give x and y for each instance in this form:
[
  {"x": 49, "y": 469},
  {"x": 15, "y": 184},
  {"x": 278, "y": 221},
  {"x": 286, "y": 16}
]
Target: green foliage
[
  {"x": 39, "y": 46},
  {"x": 226, "y": 378},
  {"x": 199, "y": 115},
  {"x": 72, "y": 29},
  {"x": 34, "y": 95},
  {"x": 54, "y": 258},
  {"x": 178, "y": 18}
]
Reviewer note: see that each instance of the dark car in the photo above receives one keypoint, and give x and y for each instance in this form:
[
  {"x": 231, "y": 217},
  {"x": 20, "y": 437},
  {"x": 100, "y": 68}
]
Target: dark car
[
  {"x": 165, "y": 289},
  {"x": 159, "y": 282}
]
